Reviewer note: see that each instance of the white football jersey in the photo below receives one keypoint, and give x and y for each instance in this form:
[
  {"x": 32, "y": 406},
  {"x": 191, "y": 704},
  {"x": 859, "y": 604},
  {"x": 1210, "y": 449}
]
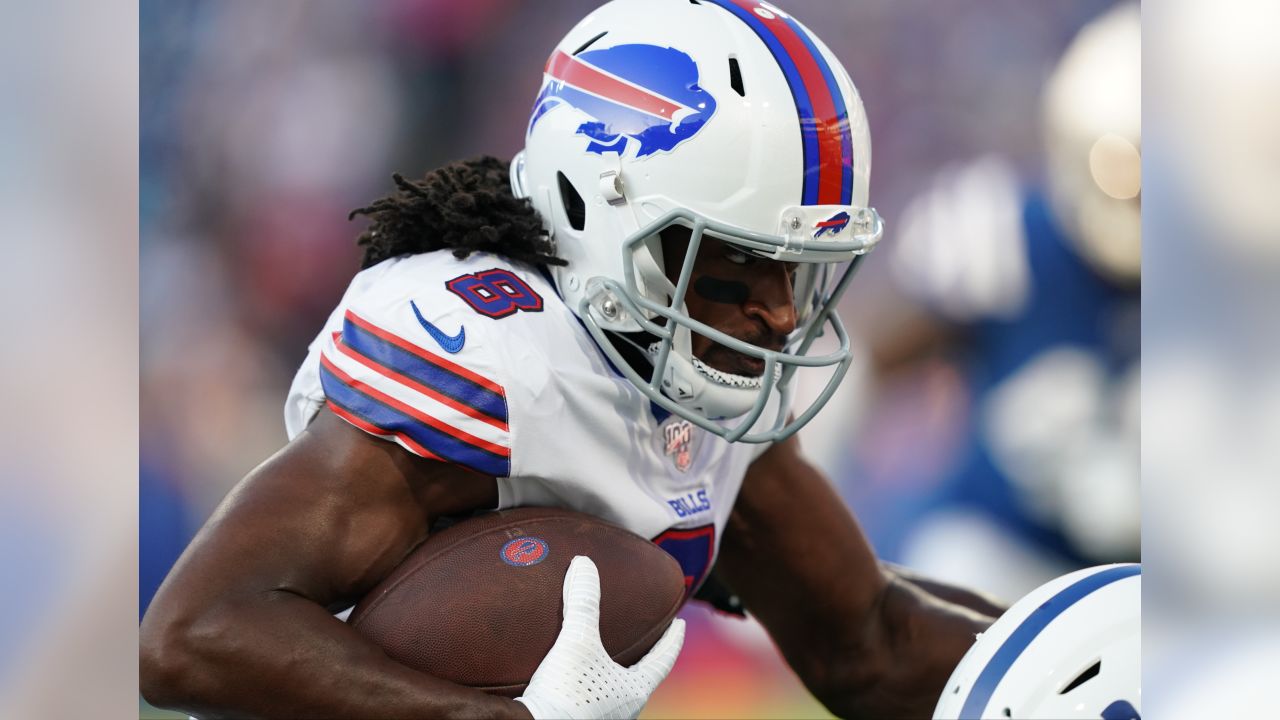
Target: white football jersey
[{"x": 479, "y": 363}]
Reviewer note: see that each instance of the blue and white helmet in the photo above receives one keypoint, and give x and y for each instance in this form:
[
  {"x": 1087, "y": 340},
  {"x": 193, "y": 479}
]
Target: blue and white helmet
[
  {"x": 727, "y": 117},
  {"x": 1072, "y": 648}
]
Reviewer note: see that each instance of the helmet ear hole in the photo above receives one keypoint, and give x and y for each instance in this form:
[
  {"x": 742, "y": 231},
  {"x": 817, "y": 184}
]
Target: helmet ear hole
[{"x": 574, "y": 208}]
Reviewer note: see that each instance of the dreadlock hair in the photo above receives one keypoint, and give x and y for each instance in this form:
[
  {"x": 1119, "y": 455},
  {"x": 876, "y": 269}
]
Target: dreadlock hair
[{"x": 465, "y": 206}]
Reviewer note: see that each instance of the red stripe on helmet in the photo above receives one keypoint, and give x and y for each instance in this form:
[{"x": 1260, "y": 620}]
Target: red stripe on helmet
[
  {"x": 568, "y": 69},
  {"x": 825, "y": 124}
]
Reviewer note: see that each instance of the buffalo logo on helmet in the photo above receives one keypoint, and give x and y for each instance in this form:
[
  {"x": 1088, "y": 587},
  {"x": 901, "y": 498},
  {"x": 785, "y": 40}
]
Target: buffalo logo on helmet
[
  {"x": 641, "y": 95},
  {"x": 524, "y": 551},
  {"x": 833, "y": 224}
]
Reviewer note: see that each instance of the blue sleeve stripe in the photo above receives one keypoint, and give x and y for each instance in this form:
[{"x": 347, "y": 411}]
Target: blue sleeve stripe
[
  {"x": 1018, "y": 641},
  {"x": 437, "y": 374},
  {"x": 394, "y": 421}
]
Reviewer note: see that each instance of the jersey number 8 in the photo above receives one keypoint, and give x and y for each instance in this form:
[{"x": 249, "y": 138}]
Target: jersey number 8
[{"x": 496, "y": 293}]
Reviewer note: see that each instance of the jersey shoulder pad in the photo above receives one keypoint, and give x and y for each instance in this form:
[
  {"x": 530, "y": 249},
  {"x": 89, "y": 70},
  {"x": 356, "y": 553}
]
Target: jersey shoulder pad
[{"x": 411, "y": 363}]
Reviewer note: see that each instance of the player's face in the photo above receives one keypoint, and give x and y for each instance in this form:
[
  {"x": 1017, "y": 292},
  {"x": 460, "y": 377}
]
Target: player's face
[{"x": 743, "y": 296}]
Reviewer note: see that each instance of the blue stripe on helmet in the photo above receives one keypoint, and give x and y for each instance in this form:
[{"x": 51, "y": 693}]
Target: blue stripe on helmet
[
  {"x": 1018, "y": 641},
  {"x": 804, "y": 105},
  {"x": 842, "y": 112}
]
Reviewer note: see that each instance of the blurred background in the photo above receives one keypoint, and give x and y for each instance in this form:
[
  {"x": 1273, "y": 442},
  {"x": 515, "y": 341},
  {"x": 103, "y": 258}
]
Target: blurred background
[{"x": 989, "y": 431}]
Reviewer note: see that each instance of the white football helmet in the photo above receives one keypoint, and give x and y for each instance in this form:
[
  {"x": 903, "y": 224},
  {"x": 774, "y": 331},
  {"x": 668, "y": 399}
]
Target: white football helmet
[
  {"x": 727, "y": 117},
  {"x": 1093, "y": 142},
  {"x": 1071, "y": 648}
]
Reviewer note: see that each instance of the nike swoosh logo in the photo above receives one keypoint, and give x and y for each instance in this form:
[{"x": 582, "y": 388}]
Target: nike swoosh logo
[{"x": 450, "y": 343}]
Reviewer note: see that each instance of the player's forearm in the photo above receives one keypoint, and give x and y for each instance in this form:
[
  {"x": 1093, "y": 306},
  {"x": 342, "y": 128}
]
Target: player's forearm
[
  {"x": 963, "y": 597},
  {"x": 284, "y": 656},
  {"x": 913, "y": 645}
]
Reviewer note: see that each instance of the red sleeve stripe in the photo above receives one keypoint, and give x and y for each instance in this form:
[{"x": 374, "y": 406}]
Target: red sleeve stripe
[
  {"x": 412, "y": 412},
  {"x": 407, "y": 381},
  {"x": 381, "y": 432},
  {"x": 423, "y": 353}
]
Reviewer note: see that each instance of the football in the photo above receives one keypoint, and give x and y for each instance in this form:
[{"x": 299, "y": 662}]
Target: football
[{"x": 480, "y": 604}]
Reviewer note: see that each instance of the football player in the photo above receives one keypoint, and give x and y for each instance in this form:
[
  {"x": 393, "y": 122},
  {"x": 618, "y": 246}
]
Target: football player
[{"x": 612, "y": 324}]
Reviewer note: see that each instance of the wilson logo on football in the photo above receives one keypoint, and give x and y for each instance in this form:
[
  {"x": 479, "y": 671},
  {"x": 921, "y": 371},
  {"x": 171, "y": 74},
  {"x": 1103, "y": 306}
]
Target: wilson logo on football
[{"x": 524, "y": 551}]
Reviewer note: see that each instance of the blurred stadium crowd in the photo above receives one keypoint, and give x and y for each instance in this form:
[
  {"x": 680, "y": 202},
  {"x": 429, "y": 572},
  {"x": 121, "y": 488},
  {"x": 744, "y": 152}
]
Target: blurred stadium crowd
[{"x": 989, "y": 433}]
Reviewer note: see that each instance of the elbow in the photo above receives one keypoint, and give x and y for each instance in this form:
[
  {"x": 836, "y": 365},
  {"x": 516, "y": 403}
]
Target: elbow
[
  {"x": 164, "y": 661},
  {"x": 170, "y": 661}
]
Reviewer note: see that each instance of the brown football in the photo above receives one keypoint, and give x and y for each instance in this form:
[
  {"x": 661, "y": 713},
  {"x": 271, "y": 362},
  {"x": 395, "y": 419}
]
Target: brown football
[{"x": 479, "y": 603}]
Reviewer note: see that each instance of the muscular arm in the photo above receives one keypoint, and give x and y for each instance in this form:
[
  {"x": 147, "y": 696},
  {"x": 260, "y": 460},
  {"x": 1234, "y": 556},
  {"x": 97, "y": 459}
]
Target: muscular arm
[
  {"x": 242, "y": 625},
  {"x": 964, "y": 597},
  {"x": 866, "y": 642}
]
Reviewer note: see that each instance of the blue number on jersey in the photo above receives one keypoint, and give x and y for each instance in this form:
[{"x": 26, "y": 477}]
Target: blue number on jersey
[
  {"x": 496, "y": 293},
  {"x": 692, "y": 549}
]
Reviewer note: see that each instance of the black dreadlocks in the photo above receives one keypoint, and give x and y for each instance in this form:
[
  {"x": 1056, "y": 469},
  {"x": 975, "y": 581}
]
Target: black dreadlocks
[{"x": 465, "y": 206}]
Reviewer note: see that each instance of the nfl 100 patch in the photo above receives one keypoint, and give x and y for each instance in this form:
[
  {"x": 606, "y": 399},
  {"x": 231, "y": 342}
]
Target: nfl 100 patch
[{"x": 678, "y": 440}]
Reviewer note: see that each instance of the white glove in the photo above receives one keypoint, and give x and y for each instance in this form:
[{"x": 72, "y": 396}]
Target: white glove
[{"x": 578, "y": 680}]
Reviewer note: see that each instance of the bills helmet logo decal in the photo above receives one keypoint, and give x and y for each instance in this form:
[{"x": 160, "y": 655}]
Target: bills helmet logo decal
[
  {"x": 525, "y": 551},
  {"x": 835, "y": 224},
  {"x": 636, "y": 95}
]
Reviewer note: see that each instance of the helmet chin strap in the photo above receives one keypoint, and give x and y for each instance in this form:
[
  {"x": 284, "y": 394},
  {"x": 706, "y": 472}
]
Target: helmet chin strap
[
  {"x": 715, "y": 394},
  {"x": 693, "y": 383},
  {"x": 720, "y": 377},
  {"x": 726, "y": 378}
]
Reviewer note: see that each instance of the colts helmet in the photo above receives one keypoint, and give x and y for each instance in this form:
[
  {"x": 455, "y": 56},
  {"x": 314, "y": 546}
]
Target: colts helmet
[
  {"x": 733, "y": 120},
  {"x": 1072, "y": 648}
]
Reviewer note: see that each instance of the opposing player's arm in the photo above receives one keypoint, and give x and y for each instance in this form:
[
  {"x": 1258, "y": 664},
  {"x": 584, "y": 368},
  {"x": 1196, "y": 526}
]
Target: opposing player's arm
[
  {"x": 866, "y": 642},
  {"x": 242, "y": 625}
]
